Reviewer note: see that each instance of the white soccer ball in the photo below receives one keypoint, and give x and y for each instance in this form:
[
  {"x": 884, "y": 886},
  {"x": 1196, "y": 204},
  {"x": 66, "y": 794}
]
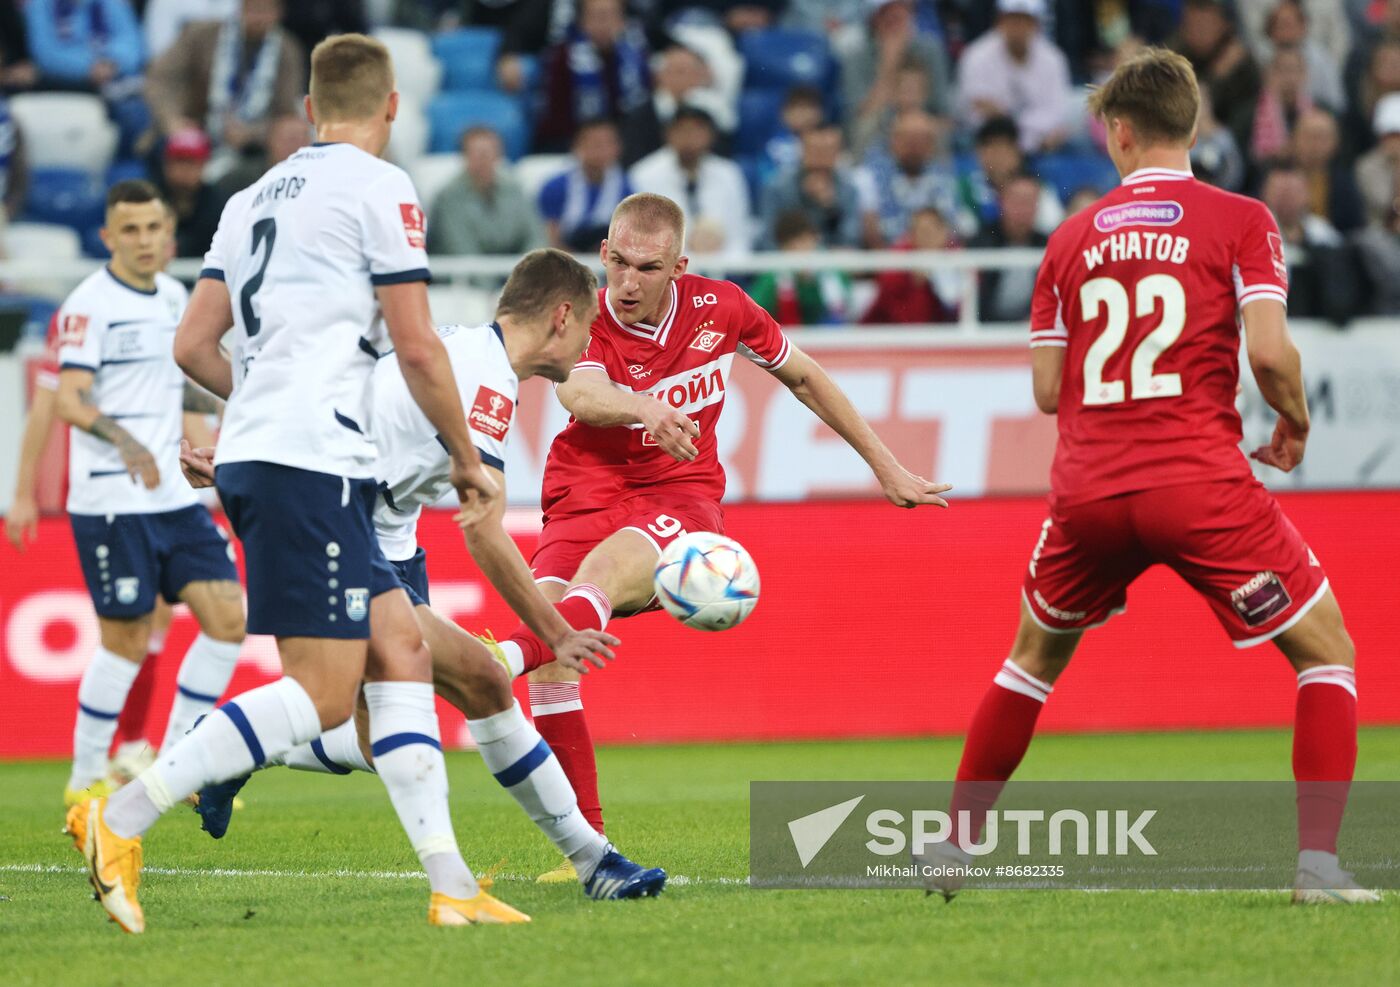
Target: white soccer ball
[{"x": 707, "y": 581}]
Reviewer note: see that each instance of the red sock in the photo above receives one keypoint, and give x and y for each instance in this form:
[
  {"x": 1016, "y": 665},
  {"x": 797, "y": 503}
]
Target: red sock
[
  {"x": 558, "y": 713},
  {"x": 131, "y": 724},
  {"x": 1001, "y": 731},
  {"x": 1324, "y": 752},
  {"x": 584, "y": 607}
]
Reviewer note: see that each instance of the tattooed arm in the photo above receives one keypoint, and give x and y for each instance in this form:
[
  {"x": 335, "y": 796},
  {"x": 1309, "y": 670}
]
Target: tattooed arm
[
  {"x": 198, "y": 401},
  {"x": 77, "y": 407}
]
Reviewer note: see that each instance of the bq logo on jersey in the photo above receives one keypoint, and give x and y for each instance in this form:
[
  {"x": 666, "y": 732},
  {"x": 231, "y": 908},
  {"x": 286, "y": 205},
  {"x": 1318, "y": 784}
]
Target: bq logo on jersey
[
  {"x": 490, "y": 414},
  {"x": 357, "y": 603},
  {"x": 415, "y": 224},
  {"x": 73, "y": 330},
  {"x": 1138, "y": 214}
]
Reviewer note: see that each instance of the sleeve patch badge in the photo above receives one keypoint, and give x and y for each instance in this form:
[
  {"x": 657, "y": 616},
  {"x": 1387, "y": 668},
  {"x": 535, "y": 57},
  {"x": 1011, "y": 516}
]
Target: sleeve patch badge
[
  {"x": 415, "y": 224},
  {"x": 490, "y": 414},
  {"x": 73, "y": 331}
]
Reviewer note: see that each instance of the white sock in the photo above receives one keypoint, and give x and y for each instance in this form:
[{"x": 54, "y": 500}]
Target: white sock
[
  {"x": 101, "y": 696},
  {"x": 522, "y": 762},
  {"x": 403, "y": 733},
  {"x": 335, "y": 752},
  {"x": 1318, "y": 861},
  {"x": 242, "y": 734},
  {"x": 515, "y": 658},
  {"x": 204, "y": 675}
]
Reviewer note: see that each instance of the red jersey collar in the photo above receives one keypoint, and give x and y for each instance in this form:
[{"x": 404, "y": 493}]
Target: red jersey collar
[
  {"x": 1157, "y": 175},
  {"x": 657, "y": 334}
]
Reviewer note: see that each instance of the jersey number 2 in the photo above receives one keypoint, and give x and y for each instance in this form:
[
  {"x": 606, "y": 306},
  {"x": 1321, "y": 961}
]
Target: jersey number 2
[
  {"x": 263, "y": 229},
  {"x": 1109, "y": 294}
]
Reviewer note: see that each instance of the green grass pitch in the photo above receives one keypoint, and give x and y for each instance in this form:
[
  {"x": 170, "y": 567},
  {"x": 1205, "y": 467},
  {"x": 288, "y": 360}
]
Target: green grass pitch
[{"x": 314, "y": 885}]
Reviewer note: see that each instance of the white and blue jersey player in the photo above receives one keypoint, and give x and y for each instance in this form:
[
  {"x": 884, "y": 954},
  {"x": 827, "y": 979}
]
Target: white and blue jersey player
[
  {"x": 138, "y": 528},
  {"x": 542, "y": 326},
  {"x": 317, "y": 268}
]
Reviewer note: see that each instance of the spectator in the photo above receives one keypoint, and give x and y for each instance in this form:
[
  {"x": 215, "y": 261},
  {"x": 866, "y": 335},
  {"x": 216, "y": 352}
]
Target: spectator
[
  {"x": 163, "y": 20},
  {"x": 711, "y": 190},
  {"x": 527, "y": 27},
  {"x": 286, "y": 135},
  {"x": 1282, "y": 99},
  {"x": 1322, "y": 280},
  {"x": 1382, "y": 78},
  {"x": 17, "y": 69},
  {"x": 803, "y": 109},
  {"x": 483, "y": 210},
  {"x": 907, "y": 177},
  {"x": 1005, "y": 296},
  {"x": 871, "y": 130},
  {"x": 916, "y": 297},
  {"x": 1332, "y": 188},
  {"x": 998, "y": 160},
  {"x": 1287, "y": 27},
  {"x": 818, "y": 187},
  {"x": 737, "y": 16},
  {"x": 577, "y": 205},
  {"x": 1207, "y": 38},
  {"x": 230, "y": 80},
  {"x": 1215, "y": 157},
  {"x": 893, "y": 44},
  {"x": 1378, "y": 246},
  {"x": 682, "y": 79},
  {"x": 311, "y": 20},
  {"x": 598, "y": 71},
  {"x": 1324, "y": 22},
  {"x": 817, "y": 297},
  {"x": 1015, "y": 71},
  {"x": 195, "y": 203},
  {"x": 1377, "y": 168},
  {"x": 86, "y": 44},
  {"x": 14, "y": 165}
]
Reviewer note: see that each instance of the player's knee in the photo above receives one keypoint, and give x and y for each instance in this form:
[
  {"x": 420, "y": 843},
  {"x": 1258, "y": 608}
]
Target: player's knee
[
  {"x": 127, "y": 638},
  {"x": 226, "y": 624}
]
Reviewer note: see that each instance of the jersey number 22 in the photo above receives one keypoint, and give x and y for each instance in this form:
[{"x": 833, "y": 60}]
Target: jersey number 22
[{"x": 1109, "y": 294}]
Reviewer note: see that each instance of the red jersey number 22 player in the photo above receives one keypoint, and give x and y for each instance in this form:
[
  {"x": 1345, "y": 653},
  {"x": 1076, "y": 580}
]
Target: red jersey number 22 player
[
  {"x": 637, "y": 465},
  {"x": 1135, "y": 329}
]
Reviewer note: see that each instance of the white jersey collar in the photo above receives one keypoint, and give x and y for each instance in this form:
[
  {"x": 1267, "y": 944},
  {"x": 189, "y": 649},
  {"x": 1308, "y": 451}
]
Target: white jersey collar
[
  {"x": 1157, "y": 175},
  {"x": 657, "y": 334}
]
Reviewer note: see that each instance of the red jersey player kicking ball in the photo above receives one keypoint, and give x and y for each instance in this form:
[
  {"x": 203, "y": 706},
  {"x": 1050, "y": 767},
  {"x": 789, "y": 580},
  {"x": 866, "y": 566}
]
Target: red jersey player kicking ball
[
  {"x": 637, "y": 466},
  {"x": 1148, "y": 468}
]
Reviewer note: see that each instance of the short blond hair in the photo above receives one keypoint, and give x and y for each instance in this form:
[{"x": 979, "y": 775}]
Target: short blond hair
[
  {"x": 351, "y": 77},
  {"x": 1156, "y": 92},
  {"x": 650, "y": 213},
  {"x": 542, "y": 279}
]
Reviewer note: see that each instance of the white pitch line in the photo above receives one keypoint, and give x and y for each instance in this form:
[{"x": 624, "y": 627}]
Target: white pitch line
[{"x": 678, "y": 880}]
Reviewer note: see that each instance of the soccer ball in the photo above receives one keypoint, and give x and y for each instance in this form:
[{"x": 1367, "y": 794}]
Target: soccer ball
[{"x": 707, "y": 581}]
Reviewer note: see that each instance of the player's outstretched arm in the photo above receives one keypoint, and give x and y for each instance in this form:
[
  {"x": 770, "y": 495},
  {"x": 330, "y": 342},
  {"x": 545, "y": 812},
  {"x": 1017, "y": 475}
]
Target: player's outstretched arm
[
  {"x": 1278, "y": 370},
  {"x": 428, "y": 372},
  {"x": 77, "y": 407},
  {"x": 207, "y": 317},
  {"x": 499, "y": 559},
  {"x": 592, "y": 398},
  {"x": 22, "y": 521},
  {"x": 814, "y": 387}
]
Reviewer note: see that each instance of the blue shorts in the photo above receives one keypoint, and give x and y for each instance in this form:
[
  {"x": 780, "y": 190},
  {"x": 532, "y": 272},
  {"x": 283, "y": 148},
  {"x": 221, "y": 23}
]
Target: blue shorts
[
  {"x": 126, "y": 558},
  {"x": 413, "y": 576},
  {"x": 308, "y": 541}
]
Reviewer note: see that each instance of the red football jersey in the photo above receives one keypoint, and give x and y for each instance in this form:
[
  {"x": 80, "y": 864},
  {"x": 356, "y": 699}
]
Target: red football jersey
[
  {"x": 686, "y": 362},
  {"x": 1144, "y": 288}
]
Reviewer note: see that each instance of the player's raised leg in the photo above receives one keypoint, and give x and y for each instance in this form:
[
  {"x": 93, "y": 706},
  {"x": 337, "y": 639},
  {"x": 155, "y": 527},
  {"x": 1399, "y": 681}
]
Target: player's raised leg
[
  {"x": 1324, "y": 749},
  {"x": 621, "y": 568}
]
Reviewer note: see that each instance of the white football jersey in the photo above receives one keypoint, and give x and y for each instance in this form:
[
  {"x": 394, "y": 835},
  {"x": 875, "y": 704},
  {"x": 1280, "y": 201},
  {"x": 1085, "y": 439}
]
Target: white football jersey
[
  {"x": 413, "y": 463},
  {"x": 302, "y": 251},
  {"x": 126, "y": 337}
]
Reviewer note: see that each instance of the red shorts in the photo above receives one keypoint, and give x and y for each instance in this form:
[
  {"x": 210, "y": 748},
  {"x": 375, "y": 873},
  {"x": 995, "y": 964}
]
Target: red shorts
[
  {"x": 1229, "y": 540},
  {"x": 659, "y": 517}
]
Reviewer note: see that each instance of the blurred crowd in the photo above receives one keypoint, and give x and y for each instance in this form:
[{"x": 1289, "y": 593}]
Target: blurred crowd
[{"x": 792, "y": 125}]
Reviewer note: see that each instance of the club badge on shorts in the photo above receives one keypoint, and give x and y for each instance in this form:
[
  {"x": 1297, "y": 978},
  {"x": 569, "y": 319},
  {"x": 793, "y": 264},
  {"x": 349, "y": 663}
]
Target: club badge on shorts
[
  {"x": 127, "y": 589},
  {"x": 357, "y": 603}
]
